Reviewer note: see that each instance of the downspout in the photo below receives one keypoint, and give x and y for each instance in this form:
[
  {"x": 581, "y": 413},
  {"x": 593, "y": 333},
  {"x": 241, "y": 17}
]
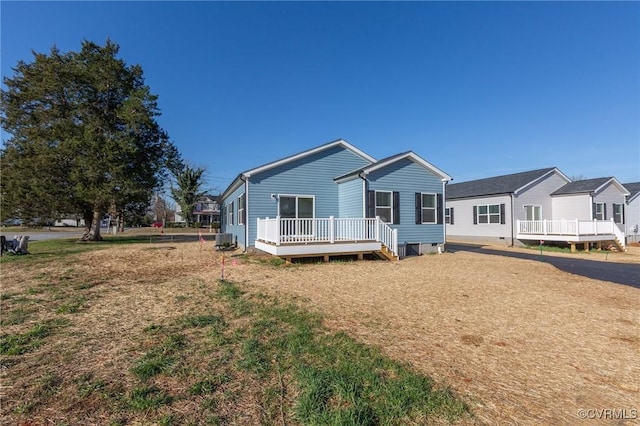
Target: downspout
[
  {"x": 245, "y": 179},
  {"x": 444, "y": 211},
  {"x": 364, "y": 194},
  {"x": 513, "y": 221}
]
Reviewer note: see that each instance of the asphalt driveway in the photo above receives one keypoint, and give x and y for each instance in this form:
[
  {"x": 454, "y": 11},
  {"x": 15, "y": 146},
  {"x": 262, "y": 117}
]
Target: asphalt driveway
[{"x": 619, "y": 273}]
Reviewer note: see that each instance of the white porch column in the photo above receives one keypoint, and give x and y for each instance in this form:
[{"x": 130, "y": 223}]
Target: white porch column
[{"x": 377, "y": 228}]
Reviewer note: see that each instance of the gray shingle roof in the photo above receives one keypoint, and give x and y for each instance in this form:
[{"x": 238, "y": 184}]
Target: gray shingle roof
[
  {"x": 506, "y": 184},
  {"x": 582, "y": 186},
  {"x": 633, "y": 188},
  {"x": 358, "y": 171}
]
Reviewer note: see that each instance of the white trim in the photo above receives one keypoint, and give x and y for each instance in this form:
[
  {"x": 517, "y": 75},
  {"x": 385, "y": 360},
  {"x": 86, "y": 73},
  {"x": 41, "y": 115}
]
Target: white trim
[
  {"x": 239, "y": 216},
  {"x": 539, "y": 178},
  {"x": 435, "y": 209},
  {"x": 319, "y": 249},
  {"x": 296, "y": 196},
  {"x": 339, "y": 142},
  {"x": 613, "y": 213},
  {"x": 375, "y": 204},
  {"x": 413, "y": 157},
  {"x": 524, "y": 206},
  {"x": 364, "y": 197},
  {"x": 246, "y": 206},
  {"x": 613, "y": 180}
]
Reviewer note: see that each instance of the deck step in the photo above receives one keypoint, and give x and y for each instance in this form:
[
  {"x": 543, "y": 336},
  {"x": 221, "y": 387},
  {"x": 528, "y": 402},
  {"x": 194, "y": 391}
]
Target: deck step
[{"x": 386, "y": 254}]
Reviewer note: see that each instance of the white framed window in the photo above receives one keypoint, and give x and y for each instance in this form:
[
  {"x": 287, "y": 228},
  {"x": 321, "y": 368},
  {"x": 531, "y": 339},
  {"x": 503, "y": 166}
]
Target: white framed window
[
  {"x": 599, "y": 211},
  {"x": 298, "y": 207},
  {"x": 429, "y": 206},
  {"x": 448, "y": 215},
  {"x": 618, "y": 213},
  {"x": 230, "y": 214},
  {"x": 489, "y": 213},
  {"x": 533, "y": 212},
  {"x": 241, "y": 209},
  {"x": 384, "y": 206}
]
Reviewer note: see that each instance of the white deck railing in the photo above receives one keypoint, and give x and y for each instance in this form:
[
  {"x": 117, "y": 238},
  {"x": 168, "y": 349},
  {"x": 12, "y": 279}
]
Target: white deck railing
[
  {"x": 570, "y": 227},
  {"x": 327, "y": 230}
]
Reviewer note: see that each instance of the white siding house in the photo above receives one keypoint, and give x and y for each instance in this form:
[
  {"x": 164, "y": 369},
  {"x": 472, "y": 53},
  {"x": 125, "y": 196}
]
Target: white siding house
[
  {"x": 632, "y": 212},
  {"x": 488, "y": 209}
]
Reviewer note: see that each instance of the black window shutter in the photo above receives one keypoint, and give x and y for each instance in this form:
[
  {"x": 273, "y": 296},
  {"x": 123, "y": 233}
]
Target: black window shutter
[
  {"x": 475, "y": 215},
  {"x": 418, "y": 208},
  {"x": 451, "y": 215},
  {"x": 371, "y": 203},
  {"x": 396, "y": 208},
  {"x": 223, "y": 215},
  {"x": 502, "y": 218},
  {"x": 594, "y": 210},
  {"x": 604, "y": 206},
  {"x": 440, "y": 208},
  {"x": 622, "y": 218}
]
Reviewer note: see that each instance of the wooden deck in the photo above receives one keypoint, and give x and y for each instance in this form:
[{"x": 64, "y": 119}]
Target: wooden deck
[
  {"x": 325, "y": 237},
  {"x": 573, "y": 232}
]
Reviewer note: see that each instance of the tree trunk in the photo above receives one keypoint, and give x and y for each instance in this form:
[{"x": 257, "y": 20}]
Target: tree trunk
[{"x": 92, "y": 230}]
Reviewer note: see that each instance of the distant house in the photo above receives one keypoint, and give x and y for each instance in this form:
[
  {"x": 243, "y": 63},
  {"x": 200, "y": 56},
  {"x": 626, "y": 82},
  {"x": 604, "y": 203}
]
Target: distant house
[
  {"x": 206, "y": 211},
  {"x": 538, "y": 205},
  {"x": 487, "y": 209},
  {"x": 591, "y": 199},
  {"x": 336, "y": 199},
  {"x": 632, "y": 213}
]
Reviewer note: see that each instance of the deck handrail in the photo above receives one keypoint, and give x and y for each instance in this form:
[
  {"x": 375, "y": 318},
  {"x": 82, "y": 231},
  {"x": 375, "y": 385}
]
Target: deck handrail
[
  {"x": 575, "y": 227},
  {"x": 330, "y": 230}
]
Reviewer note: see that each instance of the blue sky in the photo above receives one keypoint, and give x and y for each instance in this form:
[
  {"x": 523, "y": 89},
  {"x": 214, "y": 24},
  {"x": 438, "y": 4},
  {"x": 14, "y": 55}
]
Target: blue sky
[{"x": 477, "y": 89}]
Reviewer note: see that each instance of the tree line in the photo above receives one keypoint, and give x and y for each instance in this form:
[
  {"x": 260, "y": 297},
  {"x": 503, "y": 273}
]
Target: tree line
[{"x": 84, "y": 140}]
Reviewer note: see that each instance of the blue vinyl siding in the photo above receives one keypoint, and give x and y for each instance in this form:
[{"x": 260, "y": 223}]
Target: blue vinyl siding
[
  {"x": 351, "y": 199},
  {"x": 311, "y": 175},
  {"x": 238, "y": 231},
  {"x": 407, "y": 178}
]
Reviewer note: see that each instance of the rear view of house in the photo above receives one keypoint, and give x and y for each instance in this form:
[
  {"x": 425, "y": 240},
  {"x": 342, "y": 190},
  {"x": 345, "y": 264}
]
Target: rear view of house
[{"x": 336, "y": 199}]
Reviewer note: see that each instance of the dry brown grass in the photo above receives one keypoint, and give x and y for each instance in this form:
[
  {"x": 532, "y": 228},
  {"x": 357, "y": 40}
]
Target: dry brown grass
[{"x": 519, "y": 340}]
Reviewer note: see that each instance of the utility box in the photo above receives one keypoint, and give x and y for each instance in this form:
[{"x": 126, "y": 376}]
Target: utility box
[{"x": 224, "y": 240}]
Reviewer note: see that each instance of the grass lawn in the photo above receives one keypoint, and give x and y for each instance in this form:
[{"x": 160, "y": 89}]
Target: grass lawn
[{"x": 132, "y": 332}]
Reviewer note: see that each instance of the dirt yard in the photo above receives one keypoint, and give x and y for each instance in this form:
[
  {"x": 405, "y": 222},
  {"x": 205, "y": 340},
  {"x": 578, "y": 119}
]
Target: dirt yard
[{"x": 519, "y": 340}]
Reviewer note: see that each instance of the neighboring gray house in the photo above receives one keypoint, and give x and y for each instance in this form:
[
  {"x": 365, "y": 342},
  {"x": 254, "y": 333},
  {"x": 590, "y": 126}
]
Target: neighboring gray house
[
  {"x": 632, "y": 213},
  {"x": 591, "y": 199},
  {"x": 487, "y": 209},
  {"x": 336, "y": 199},
  {"x": 539, "y": 205}
]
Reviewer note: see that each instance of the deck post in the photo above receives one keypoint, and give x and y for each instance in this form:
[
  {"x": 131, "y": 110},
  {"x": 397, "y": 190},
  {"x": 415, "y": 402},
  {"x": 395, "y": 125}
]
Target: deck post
[
  {"x": 332, "y": 233},
  {"x": 595, "y": 226},
  {"x": 544, "y": 226},
  {"x": 278, "y": 230},
  {"x": 394, "y": 249},
  {"x": 377, "y": 228},
  {"x": 577, "y": 227}
]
